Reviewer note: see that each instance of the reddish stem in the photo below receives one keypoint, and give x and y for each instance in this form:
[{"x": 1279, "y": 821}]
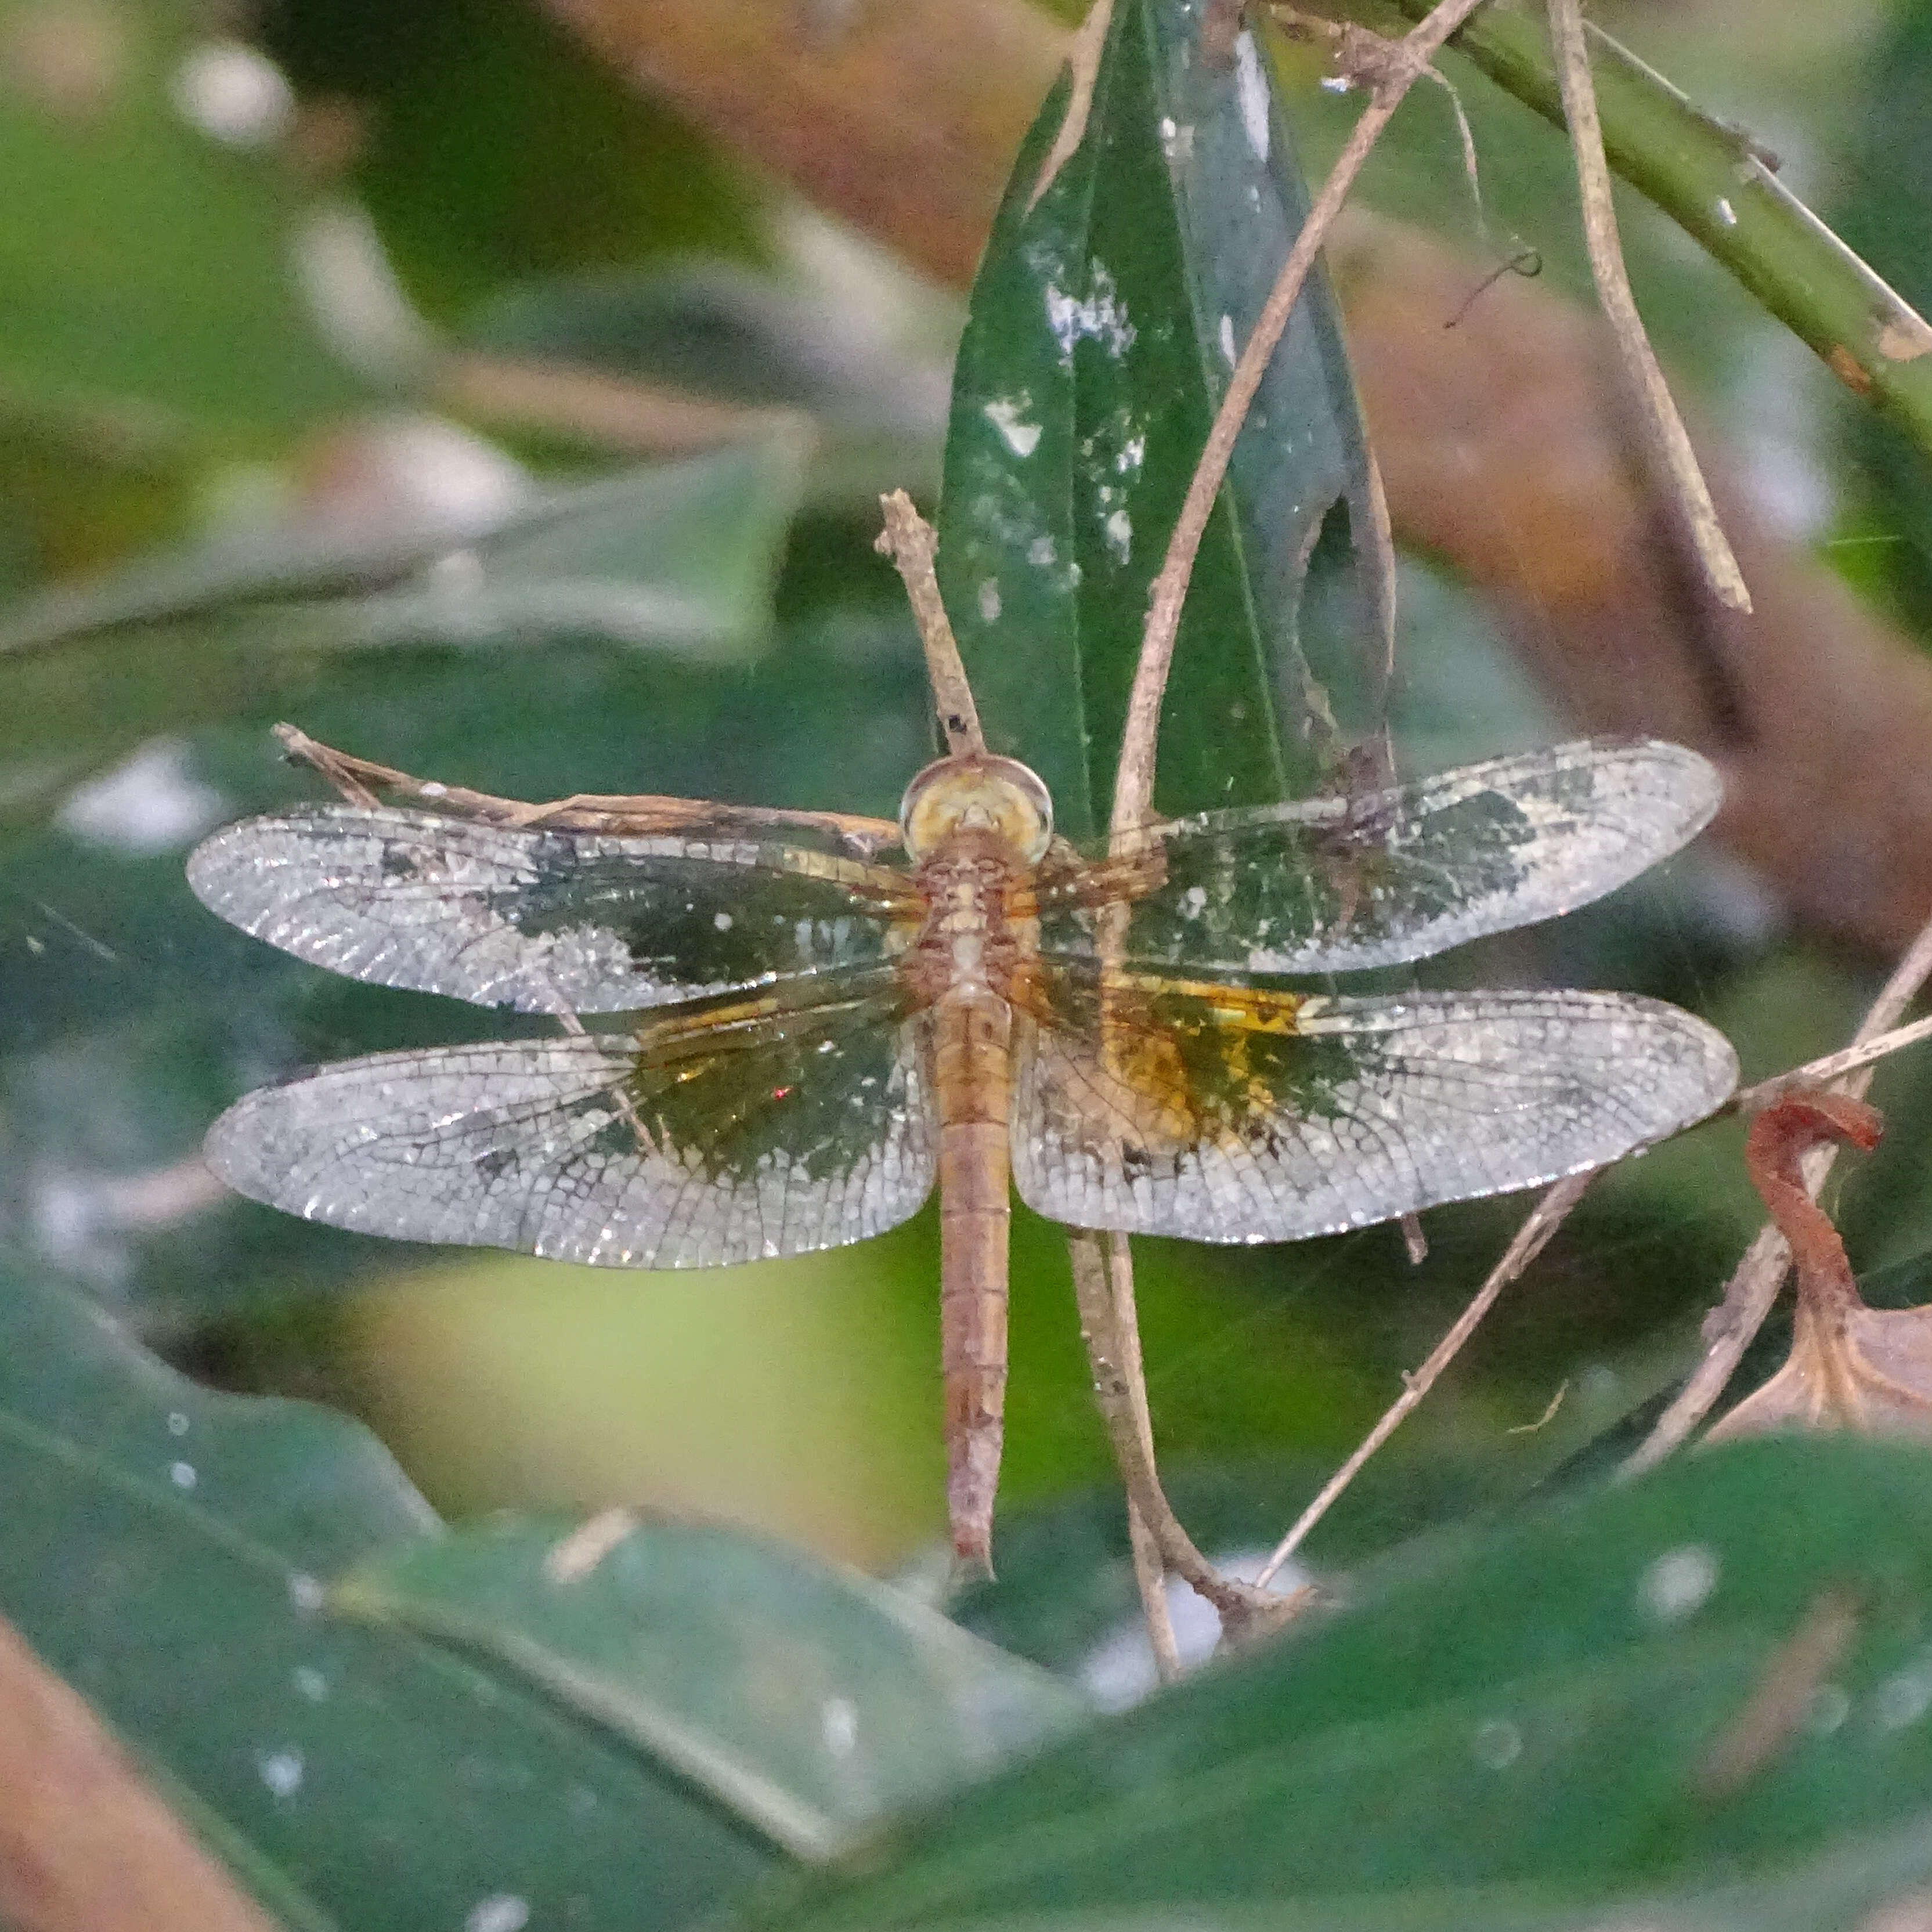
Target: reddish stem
[{"x": 1774, "y": 1149}]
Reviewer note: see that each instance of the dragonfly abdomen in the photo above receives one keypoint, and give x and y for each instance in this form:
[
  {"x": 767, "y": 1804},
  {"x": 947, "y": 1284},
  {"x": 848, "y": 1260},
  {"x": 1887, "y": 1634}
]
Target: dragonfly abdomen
[
  {"x": 973, "y": 1033},
  {"x": 966, "y": 957}
]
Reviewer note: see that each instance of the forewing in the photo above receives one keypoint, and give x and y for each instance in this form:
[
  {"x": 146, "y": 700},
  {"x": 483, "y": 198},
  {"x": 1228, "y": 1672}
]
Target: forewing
[
  {"x": 728, "y": 1131},
  {"x": 543, "y": 920},
  {"x": 1228, "y": 1114},
  {"x": 1338, "y": 884}
]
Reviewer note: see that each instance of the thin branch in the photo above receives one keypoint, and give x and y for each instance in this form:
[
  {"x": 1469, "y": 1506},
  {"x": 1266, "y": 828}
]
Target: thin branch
[
  {"x": 1731, "y": 1327},
  {"x": 1545, "y": 1218},
  {"x": 1408, "y": 59},
  {"x": 1774, "y": 1714},
  {"x": 1104, "y": 1283},
  {"x": 1828, "y": 1066},
  {"x": 1150, "y": 1580},
  {"x": 1672, "y": 439},
  {"x": 640, "y": 814},
  {"x": 1119, "y": 1392},
  {"x": 908, "y": 540},
  {"x": 1147, "y": 1502},
  {"x": 1103, "y": 1288},
  {"x": 593, "y": 406},
  {"x": 1083, "y": 62}
]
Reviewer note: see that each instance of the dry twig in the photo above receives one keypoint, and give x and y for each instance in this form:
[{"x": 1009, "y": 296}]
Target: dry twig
[
  {"x": 908, "y": 540},
  {"x": 622, "y": 814},
  {"x": 1103, "y": 1265},
  {"x": 1103, "y": 1286},
  {"x": 1083, "y": 62},
  {"x": 621, "y": 412},
  {"x": 1545, "y": 1218},
  {"x": 1113, "y": 1350},
  {"x": 1774, "y": 1711},
  {"x": 1672, "y": 439},
  {"x": 1828, "y": 1067},
  {"x": 1106, "y": 1262},
  {"x": 1151, "y": 1582}
]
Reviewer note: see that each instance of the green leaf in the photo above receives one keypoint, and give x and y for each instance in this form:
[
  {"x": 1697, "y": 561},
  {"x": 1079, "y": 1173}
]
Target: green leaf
[
  {"x": 1713, "y": 1687},
  {"x": 162, "y": 1548},
  {"x": 712, "y": 329},
  {"x": 683, "y": 554},
  {"x": 1886, "y": 216},
  {"x": 755, "y": 341},
  {"x": 809, "y": 1699},
  {"x": 679, "y": 558},
  {"x": 499, "y": 147},
  {"x": 1097, "y": 352},
  {"x": 147, "y": 268}
]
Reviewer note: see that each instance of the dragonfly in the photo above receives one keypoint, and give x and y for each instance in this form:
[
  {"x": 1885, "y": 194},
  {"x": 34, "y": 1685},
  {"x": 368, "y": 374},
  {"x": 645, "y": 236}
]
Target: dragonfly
[{"x": 782, "y": 1030}]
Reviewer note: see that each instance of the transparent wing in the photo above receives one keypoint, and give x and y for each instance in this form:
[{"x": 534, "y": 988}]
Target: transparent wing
[
  {"x": 1229, "y": 1114},
  {"x": 725, "y": 1131},
  {"x": 1337, "y": 884},
  {"x": 543, "y": 920}
]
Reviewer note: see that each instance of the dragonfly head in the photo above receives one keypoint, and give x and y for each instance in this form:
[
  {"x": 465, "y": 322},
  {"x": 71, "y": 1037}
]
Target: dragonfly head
[{"x": 977, "y": 792}]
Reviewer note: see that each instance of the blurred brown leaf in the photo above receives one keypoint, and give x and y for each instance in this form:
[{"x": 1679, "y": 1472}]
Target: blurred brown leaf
[
  {"x": 903, "y": 118},
  {"x": 86, "y": 1844}
]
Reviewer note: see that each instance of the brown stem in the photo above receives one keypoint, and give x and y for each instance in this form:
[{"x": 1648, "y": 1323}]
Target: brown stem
[
  {"x": 1103, "y": 1288},
  {"x": 607, "y": 411},
  {"x": 908, "y": 540},
  {"x": 1774, "y": 1712},
  {"x": 1150, "y": 1581},
  {"x": 1828, "y": 1067},
  {"x": 626, "y": 814},
  {"x": 1545, "y": 1218},
  {"x": 1773, "y": 1149},
  {"x": 1670, "y": 438}
]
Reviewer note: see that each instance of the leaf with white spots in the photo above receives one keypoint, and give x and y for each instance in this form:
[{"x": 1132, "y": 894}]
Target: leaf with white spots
[
  {"x": 166, "y": 1549},
  {"x": 1108, "y": 311},
  {"x": 1615, "y": 1710},
  {"x": 809, "y": 1698}
]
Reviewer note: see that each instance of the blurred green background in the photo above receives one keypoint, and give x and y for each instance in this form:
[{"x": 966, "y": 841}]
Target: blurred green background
[{"x": 278, "y": 285}]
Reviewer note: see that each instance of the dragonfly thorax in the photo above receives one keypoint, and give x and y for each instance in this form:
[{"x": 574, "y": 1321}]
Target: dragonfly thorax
[{"x": 977, "y": 793}]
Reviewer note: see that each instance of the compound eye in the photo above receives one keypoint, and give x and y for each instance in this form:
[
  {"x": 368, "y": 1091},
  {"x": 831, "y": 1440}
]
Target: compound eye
[
  {"x": 997, "y": 795},
  {"x": 1029, "y": 820}
]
